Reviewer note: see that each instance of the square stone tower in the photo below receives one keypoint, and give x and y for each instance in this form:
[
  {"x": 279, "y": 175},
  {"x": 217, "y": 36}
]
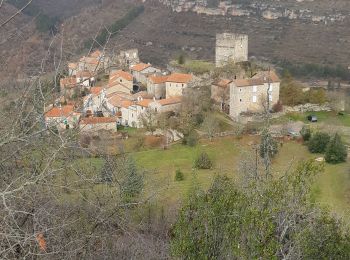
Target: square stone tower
[{"x": 231, "y": 47}]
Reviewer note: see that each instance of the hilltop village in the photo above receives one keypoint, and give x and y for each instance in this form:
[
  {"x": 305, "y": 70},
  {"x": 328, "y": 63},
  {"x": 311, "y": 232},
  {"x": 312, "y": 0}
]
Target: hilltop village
[{"x": 131, "y": 93}]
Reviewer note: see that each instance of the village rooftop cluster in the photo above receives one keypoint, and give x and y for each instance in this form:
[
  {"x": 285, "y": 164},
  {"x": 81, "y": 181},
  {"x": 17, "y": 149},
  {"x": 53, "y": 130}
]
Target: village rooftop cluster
[{"x": 132, "y": 89}]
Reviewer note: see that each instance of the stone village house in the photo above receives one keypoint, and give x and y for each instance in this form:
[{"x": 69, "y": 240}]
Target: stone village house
[
  {"x": 62, "y": 117},
  {"x": 220, "y": 94},
  {"x": 251, "y": 95},
  {"x": 156, "y": 86},
  {"x": 120, "y": 81},
  {"x": 141, "y": 71},
  {"x": 176, "y": 83},
  {"x": 133, "y": 111}
]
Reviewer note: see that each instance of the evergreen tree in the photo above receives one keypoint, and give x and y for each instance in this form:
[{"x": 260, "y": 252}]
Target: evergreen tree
[
  {"x": 132, "y": 180},
  {"x": 336, "y": 151},
  {"x": 203, "y": 161},
  {"x": 318, "y": 142},
  {"x": 306, "y": 133}
]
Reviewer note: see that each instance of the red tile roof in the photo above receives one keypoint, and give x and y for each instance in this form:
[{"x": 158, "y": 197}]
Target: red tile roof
[
  {"x": 120, "y": 74},
  {"x": 224, "y": 83},
  {"x": 97, "y": 120},
  {"x": 63, "y": 111},
  {"x": 68, "y": 82},
  {"x": 144, "y": 102},
  {"x": 126, "y": 103},
  {"x": 116, "y": 100},
  {"x": 72, "y": 65},
  {"x": 120, "y": 94},
  {"x": 140, "y": 67},
  {"x": 158, "y": 79},
  {"x": 96, "y": 90},
  {"x": 142, "y": 94},
  {"x": 267, "y": 77},
  {"x": 84, "y": 74},
  {"x": 179, "y": 78},
  {"x": 170, "y": 101},
  {"x": 96, "y": 54}
]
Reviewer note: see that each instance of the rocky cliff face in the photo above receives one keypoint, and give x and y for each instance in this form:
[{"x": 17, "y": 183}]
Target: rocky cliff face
[
  {"x": 304, "y": 10},
  {"x": 161, "y": 33}
]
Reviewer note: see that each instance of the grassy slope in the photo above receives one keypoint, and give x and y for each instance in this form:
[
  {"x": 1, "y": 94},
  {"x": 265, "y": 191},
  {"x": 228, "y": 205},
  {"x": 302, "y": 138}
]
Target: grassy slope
[{"x": 332, "y": 188}]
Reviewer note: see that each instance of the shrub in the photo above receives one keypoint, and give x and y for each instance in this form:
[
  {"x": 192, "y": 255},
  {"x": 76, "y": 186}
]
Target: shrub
[
  {"x": 316, "y": 96},
  {"x": 336, "y": 151},
  {"x": 191, "y": 139},
  {"x": 85, "y": 141},
  {"x": 203, "y": 161},
  {"x": 318, "y": 142},
  {"x": 306, "y": 133},
  {"x": 139, "y": 144},
  {"x": 278, "y": 107},
  {"x": 181, "y": 59},
  {"x": 251, "y": 128},
  {"x": 179, "y": 176}
]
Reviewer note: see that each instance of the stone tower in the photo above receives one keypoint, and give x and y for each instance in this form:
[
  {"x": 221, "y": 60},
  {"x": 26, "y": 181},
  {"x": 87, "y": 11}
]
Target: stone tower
[{"x": 230, "y": 46}]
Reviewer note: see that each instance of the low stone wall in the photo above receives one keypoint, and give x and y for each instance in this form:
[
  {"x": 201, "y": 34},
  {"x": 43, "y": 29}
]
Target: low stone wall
[
  {"x": 286, "y": 109},
  {"x": 307, "y": 107}
]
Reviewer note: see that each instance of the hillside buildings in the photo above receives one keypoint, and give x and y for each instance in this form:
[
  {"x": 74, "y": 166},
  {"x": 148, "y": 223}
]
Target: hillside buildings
[{"x": 132, "y": 91}]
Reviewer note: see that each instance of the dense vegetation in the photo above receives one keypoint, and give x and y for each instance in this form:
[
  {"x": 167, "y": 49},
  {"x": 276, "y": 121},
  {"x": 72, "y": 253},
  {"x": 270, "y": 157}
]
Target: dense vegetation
[
  {"x": 43, "y": 22},
  {"x": 316, "y": 70},
  {"x": 259, "y": 218},
  {"x": 292, "y": 94},
  {"x": 318, "y": 142},
  {"x": 336, "y": 152},
  {"x": 118, "y": 25}
]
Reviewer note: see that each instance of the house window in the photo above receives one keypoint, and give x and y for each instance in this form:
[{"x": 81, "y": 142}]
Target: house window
[
  {"x": 156, "y": 110},
  {"x": 240, "y": 100},
  {"x": 182, "y": 85},
  {"x": 254, "y": 99},
  {"x": 255, "y": 89},
  {"x": 240, "y": 90},
  {"x": 121, "y": 80}
]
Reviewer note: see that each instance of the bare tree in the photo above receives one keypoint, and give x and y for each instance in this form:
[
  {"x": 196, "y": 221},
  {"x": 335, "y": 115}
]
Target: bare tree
[{"x": 210, "y": 125}]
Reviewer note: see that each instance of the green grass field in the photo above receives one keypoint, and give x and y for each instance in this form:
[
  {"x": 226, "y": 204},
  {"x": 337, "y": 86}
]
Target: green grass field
[
  {"x": 331, "y": 118},
  {"x": 332, "y": 188}
]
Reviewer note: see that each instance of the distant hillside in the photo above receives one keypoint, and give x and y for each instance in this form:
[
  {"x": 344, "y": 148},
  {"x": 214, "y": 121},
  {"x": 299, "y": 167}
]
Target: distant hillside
[
  {"x": 54, "y": 8},
  {"x": 161, "y": 34}
]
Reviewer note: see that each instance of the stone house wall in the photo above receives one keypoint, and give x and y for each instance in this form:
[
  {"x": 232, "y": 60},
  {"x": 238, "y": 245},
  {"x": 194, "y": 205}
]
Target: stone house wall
[
  {"x": 252, "y": 98},
  {"x": 231, "y": 47}
]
